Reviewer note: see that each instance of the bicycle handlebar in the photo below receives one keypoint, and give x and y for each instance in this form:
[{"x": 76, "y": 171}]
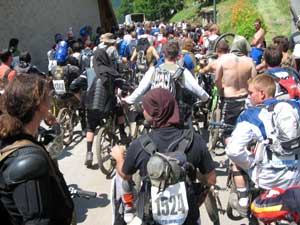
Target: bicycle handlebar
[{"x": 221, "y": 125}]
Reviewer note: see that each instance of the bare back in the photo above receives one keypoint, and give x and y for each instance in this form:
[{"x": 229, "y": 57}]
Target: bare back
[{"x": 232, "y": 75}]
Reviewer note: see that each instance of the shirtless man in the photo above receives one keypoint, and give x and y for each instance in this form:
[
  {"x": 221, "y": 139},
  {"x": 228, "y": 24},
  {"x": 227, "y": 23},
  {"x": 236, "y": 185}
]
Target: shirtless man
[
  {"x": 221, "y": 49},
  {"x": 232, "y": 74},
  {"x": 258, "y": 42}
]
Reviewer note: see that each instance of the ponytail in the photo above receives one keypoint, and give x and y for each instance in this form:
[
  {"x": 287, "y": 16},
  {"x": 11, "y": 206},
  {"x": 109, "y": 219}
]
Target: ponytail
[{"x": 9, "y": 125}]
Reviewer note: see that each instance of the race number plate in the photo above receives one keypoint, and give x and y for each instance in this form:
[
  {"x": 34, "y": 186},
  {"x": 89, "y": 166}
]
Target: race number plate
[
  {"x": 59, "y": 86},
  {"x": 170, "y": 207}
]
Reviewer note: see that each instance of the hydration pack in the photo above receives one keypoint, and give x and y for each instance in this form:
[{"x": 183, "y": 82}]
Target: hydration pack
[
  {"x": 169, "y": 176},
  {"x": 289, "y": 81},
  {"x": 164, "y": 78},
  {"x": 284, "y": 136},
  {"x": 141, "y": 48}
]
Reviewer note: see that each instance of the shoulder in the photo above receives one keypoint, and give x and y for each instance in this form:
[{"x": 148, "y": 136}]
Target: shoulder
[{"x": 27, "y": 163}]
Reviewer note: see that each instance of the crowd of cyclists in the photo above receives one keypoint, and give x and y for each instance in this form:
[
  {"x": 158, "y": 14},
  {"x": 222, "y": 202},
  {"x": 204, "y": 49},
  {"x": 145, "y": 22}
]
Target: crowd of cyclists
[{"x": 159, "y": 66}]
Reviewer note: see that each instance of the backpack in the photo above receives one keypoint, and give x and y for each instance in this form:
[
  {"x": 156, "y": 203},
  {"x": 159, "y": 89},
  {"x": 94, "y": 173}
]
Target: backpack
[
  {"x": 141, "y": 48},
  {"x": 58, "y": 80},
  {"x": 85, "y": 58},
  {"x": 163, "y": 78},
  {"x": 169, "y": 175},
  {"x": 284, "y": 137},
  {"x": 289, "y": 81}
]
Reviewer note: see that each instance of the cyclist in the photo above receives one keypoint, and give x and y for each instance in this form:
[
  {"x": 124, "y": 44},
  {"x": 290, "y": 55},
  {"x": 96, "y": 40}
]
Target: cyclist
[
  {"x": 32, "y": 189},
  {"x": 232, "y": 73},
  {"x": 161, "y": 111},
  {"x": 255, "y": 123},
  {"x": 171, "y": 52},
  {"x": 101, "y": 100},
  {"x": 258, "y": 42}
]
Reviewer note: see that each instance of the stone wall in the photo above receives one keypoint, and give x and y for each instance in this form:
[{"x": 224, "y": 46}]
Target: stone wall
[{"x": 34, "y": 23}]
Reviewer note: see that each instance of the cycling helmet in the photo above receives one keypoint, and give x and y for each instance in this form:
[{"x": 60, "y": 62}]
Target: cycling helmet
[
  {"x": 83, "y": 31},
  {"x": 61, "y": 54}
]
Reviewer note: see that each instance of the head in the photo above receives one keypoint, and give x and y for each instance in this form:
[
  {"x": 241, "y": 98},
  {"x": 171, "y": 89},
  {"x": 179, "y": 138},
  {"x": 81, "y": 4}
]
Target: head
[
  {"x": 213, "y": 29},
  {"x": 187, "y": 44},
  {"x": 222, "y": 48},
  {"x": 108, "y": 38},
  {"x": 171, "y": 50},
  {"x": 6, "y": 56},
  {"x": 57, "y": 38},
  {"x": 257, "y": 24},
  {"x": 261, "y": 88},
  {"x": 26, "y": 99},
  {"x": 13, "y": 42},
  {"x": 282, "y": 42},
  {"x": 240, "y": 46},
  {"x": 160, "y": 108},
  {"x": 273, "y": 55},
  {"x": 25, "y": 57}
]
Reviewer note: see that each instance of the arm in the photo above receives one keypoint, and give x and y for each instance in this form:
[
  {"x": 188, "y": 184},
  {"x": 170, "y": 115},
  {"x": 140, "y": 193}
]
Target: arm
[
  {"x": 134, "y": 55},
  {"x": 253, "y": 69},
  {"x": 144, "y": 85},
  {"x": 236, "y": 149},
  {"x": 117, "y": 152},
  {"x": 154, "y": 52},
  {"x": 192, "y": 84},
  {"x": 219, "y": 76}
]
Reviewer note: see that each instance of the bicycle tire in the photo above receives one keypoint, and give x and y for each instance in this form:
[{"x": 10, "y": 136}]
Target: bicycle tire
[
  {"x": 214, "y": 133},
  {"x": 105, "y": 140},
  {"x": 229, "y": 211},
  {"x": 223, "y": 37},
  {"x": 212, "y": 209},
  {"x": 64, "y": 118}
]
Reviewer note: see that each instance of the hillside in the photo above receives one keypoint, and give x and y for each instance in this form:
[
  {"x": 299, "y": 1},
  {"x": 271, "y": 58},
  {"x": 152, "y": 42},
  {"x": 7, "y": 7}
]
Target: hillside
[{"x": 275, "y": 14}]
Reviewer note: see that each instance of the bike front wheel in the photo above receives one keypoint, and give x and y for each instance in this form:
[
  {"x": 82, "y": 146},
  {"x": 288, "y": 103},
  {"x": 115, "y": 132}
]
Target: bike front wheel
[{"x": 105, "y": 141}]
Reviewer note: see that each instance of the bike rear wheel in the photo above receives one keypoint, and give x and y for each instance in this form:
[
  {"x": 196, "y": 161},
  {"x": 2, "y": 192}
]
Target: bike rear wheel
[
  {"x": 228, "y": 37},
  {"x": 65, "y": 119}
]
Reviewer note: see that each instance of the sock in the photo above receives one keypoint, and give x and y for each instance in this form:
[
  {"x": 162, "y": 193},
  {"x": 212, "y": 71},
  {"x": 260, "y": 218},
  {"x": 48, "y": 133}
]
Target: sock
[
  {"x": 89, "y": 146},
  {"x": 243, "y": 201}
]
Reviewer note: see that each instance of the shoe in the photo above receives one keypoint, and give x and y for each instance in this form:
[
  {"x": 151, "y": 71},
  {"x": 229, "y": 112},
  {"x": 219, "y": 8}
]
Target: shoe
[
  {"x": 234, "y": 203},
  {"x": 89, "y": 159}
]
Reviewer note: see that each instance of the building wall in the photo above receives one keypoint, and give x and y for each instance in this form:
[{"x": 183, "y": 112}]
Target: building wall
[{"x": 35, "y": 22}]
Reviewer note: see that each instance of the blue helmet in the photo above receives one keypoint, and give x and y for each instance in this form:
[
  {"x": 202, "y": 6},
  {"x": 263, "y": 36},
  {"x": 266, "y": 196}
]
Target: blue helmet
[
  {"x": 61, "y": 54},
  {"x": 83, "y": 31}
]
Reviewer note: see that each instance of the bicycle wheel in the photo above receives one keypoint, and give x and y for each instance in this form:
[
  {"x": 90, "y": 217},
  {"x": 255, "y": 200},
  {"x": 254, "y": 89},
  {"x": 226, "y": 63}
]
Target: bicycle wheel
[
  {"x": 228, "y": 37},
  {"x": 214, "y": 133},
  {"x": 64, "y": 118},
  {"x": 212, "y": 208},
  {"x": 106, "y": 139}
]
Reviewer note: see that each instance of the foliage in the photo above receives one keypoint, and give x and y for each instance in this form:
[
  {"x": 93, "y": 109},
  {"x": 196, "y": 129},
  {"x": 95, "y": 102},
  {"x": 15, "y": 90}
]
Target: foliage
[
  {"x": 243, "y": 16},
  {"x": 153, "y": 9},
  {"x": 125, "y": 8}
]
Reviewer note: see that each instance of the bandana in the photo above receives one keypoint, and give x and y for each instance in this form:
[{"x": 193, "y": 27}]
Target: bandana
[{"x": 161, "y": 105}]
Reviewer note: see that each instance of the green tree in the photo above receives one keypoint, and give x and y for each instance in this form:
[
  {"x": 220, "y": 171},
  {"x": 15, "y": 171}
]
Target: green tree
[{"x": 125, "y": 8}]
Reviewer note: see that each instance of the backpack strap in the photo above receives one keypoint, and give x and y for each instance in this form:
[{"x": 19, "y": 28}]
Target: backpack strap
[
  {"x": 6, "y": 151},
  {"x": 148, "y": 145},
  {"x": 183, "y": 144}
]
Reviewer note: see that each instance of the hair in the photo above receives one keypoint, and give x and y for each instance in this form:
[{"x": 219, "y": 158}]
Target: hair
[
  {"x": 187, "y": 44},
  {"x": 214, "y": 28},
  {"x": 171, "y": 50},
  {"x": 273, "y": 55},
  {"x": 264, "y": 83},
  {"x": 76, "y": 47},
  {"x": 25, "y": 57},
  {"x": 258, "y": 21},
  {"x": 223, "y": 47},
  {"x": 4, "y": 55},
  {"x": 13, "y": 42},
  {"x": 282, "y": 42},
  {"x": 21, "y": 99}
]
